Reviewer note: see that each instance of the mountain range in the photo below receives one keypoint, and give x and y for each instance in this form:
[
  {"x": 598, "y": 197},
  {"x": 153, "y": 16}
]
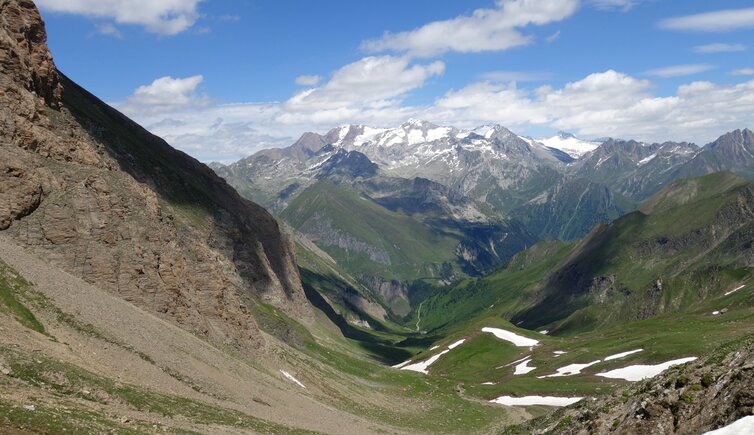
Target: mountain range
[
  {"x": 484, "y": 194},
  {"x": 420, "y": 279}
]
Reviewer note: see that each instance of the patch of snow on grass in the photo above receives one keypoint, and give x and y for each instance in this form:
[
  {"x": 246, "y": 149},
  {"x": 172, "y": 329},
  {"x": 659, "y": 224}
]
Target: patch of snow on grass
[
  {"x": 742, "y": 426},
  {"x": 434, "y": 347},
  {"x": 517, "y": 340},
  {"x": 544, "y": 332},
  {"x": 570, "y": 370},
  {"x": 715, "y": 313},
  {"x": 422, "y": 366},
  {"x": 559, "y": 352},
  {"x": 735, "y": 290},
  {"x": 488, "y": 383},
  {"x": 536, "y": 400},
  {"x": 524, "y": 368},
  {"x": 397, "y": 366},
  {"x": 639, "y": 372},
  {"x": 622, "y": 354},
  {"x": 456, "y": 344},
  {"x": 292, "y": 379}
]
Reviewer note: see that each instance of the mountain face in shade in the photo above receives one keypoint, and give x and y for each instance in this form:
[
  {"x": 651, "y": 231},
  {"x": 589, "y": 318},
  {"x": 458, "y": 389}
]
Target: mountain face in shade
[{"x": 90, "y": 191}]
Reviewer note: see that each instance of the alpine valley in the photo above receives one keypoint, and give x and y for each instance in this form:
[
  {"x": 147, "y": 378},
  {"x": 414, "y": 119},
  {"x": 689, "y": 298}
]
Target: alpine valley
[{"x": 416, "y": 279}]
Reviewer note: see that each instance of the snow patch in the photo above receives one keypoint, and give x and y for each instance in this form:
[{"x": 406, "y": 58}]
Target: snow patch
[
  {"x": 456, "y": 344},
  {"x": 742, "y": 426},
  {"x": 517, "y": 340},
  {"x": 735, "y": 290},
  {"x": 434, "y": 347},
  {"x": 536, "y": 400},
  {"x": 570, "y": 145},
  {"x": 488, "y": 383},
  {"x": 292, "y": 379},
  {"x": 639, "y": 372},
  {"x": 523, "y": 368},
  {"x": 622, "y": 354},
  {"x": 570, "y": 370},
  {"x": 559, "y": 352},
  {"x": 715, "y": 313},
  {"x": 422, "y": 366},
  {"x": 647, "y": 159},
  {"x": 544, "y": 332}
]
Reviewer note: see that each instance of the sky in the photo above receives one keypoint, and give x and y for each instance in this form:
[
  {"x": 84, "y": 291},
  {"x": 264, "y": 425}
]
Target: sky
[{"x": 222, "y": 79}]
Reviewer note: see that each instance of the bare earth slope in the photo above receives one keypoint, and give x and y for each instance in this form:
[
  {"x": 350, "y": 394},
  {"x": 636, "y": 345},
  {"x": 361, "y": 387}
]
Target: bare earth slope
[{"x": 88, "y": 190}]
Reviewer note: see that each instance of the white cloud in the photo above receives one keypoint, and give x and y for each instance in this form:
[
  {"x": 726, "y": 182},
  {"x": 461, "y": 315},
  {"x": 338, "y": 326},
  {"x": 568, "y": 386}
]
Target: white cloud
[
  {"x": 743, "y": 72},
  {"x": 680, "y": 70},
  {"x": 167, "y": 17},
  {"x": 604, "y": 104},
  {"x": 607, "y": 103},
  {"x": 715, "y": 21},
  {"x": 109, "y": 30},
  {"x": 554, "y": 37},
  {"x": 372, "y": 84},
  {"x": 484, "y": 30},
  {"x": 165, "y": 94},
  {"x": 306, "y": 80},
  {"x": 609, "y": 5},
  {"x": 719, "y": 47}
]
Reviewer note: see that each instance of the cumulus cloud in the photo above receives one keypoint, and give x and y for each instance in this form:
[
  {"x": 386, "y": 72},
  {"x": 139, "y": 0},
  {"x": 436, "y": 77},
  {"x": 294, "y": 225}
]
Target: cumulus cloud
[
  {"x": 719, "y": 47},
  {"x": 608, "y": 103},
  {"x": 484, "y": 30},
  {"x": 369, "y": 85},
  {"x": 680, "y": 70},
  {"x": 166, "y": 94},
  {"x": 715, "y": 21},
  {"x": 308, "y": 80},
  {"x": 166, "y": 17}
]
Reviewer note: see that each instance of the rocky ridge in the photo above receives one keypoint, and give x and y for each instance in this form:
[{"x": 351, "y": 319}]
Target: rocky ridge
[{"x": 92, "y": 192}]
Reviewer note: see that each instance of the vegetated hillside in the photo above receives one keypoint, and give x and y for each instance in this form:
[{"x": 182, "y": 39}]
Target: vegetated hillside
[
  {"x": 90, "y": 191},
  {"x": 394, "y": 240},
  {"x": 692, "y": 245},
  {"x": 710, "y": 393}
]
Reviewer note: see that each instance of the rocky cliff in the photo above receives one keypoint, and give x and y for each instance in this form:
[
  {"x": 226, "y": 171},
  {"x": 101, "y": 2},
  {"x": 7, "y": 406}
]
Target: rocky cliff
[{"x": 87, "y": 189}]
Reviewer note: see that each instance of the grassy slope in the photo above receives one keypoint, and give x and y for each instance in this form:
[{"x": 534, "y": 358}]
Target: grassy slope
[{"x": 410, "y": 245}]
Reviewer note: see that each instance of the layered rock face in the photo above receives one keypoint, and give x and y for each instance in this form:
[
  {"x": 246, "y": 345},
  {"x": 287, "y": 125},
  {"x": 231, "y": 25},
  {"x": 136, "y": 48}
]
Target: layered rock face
[{"x": 84, "y": 187}]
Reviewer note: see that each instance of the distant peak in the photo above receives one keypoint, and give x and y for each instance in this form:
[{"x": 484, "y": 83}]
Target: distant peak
[
  {"x": 414, "y": 122},
  {"x": 565, "y": 135}
]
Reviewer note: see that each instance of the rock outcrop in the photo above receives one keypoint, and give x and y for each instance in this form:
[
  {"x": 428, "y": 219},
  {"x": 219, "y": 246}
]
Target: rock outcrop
[
  {"x": 87, "y": 189},
  {"x": 694, "y": 398}
]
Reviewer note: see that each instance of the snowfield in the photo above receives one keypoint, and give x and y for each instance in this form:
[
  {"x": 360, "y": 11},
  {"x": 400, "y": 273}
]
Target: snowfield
[
  {"x": 517, "y": 340},
  {"x": 536, "y": 400},
  {"x": 639, "y": 372}
]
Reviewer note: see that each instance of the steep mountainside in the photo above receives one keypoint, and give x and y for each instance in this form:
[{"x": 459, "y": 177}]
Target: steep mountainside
[
  {"x": 733, "y": 152},
  {"x": 694, "y": 242},
  {"x": 633, "y": 169},
  {"x": 92, "y": 192}
]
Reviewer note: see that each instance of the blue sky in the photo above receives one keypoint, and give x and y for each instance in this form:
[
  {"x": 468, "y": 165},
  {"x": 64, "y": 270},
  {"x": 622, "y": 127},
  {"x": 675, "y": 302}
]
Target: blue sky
[{"x": 218, "y": 79}]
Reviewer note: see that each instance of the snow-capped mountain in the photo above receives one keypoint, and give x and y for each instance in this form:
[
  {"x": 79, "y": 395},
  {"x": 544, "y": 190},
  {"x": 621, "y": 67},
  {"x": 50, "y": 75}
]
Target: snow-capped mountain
[{"x": 569, "y": 144}]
